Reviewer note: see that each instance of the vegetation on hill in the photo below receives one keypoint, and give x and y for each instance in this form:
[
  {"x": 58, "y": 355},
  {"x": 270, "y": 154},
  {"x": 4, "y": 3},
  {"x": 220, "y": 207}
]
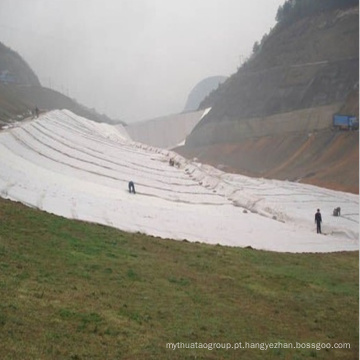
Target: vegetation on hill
[
  {"x": 299, "y": 75},
  {"x": 73, "y": 290},
  {"x": 21, "y": 92},
  {"x": 293, "y": 10},
  {"x": 13, "y": 68},
  {"x": 295, "y": 57}
]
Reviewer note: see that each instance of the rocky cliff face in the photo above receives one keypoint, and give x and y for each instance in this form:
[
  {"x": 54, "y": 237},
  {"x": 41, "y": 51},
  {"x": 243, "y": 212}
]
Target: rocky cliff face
[{"x": 302, "y": 74}]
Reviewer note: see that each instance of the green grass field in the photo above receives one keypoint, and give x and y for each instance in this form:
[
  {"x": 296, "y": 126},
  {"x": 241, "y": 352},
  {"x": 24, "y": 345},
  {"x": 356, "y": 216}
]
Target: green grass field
[{"x": 73, "y": 290}]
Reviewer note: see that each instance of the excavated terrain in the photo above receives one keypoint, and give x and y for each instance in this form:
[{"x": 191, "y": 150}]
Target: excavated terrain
[{"x": 325, "y": 158}]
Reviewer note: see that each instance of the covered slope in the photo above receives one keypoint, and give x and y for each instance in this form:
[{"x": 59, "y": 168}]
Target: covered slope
[{"x": 70, "y": 166}]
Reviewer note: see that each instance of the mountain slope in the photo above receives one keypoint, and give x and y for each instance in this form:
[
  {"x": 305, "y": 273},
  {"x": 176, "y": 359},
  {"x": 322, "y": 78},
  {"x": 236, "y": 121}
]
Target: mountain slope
[
  {"x": 302, "y": 73},
  {"x": 14, "y": 69},
  {"x": 21, "y": 92}
]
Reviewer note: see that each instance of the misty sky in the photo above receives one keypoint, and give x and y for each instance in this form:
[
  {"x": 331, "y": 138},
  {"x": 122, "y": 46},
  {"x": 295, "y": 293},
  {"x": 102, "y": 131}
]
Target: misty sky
[{"x": 133, "y": 59}]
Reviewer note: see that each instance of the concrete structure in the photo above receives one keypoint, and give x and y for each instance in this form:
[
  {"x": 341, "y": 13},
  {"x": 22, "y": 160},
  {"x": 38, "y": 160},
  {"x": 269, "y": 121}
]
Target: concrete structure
[{"x": 165, "y": 132}]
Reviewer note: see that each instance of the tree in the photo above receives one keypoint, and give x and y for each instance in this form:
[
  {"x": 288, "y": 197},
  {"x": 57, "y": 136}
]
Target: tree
[{"x": 293, "y": 10}]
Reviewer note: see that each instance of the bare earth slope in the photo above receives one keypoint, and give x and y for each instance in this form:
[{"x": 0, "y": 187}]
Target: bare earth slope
[{"x": 325, "y": 158}]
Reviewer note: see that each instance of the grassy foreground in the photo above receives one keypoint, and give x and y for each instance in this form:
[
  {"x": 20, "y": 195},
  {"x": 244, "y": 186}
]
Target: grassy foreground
[{"x": 72, "y": 290}]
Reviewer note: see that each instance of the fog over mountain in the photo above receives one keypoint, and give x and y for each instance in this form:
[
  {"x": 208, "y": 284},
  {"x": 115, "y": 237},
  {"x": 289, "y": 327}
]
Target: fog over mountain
[
  {"x": 201, "y": 91},
  {"x": 133, "y": 60}
]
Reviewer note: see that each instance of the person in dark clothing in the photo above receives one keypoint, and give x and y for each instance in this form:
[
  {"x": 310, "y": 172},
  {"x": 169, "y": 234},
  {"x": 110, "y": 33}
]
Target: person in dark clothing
[
  {"x": 318, "y": 221},
  {"x": 131, "y": 187}
]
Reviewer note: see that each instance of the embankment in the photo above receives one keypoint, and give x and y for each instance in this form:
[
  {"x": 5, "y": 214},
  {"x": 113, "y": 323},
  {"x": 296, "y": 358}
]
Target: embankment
[{"x": 323, "y": 157}]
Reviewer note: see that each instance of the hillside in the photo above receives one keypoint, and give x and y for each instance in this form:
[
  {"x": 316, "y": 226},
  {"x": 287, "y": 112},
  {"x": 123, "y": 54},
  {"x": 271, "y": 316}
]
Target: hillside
[
  {"x": 18, "y": 101},
  {"x": 76, "y": 290},
  {"x": 301, "y": 74},
  {"x": 21, "y": 92},
  {"x": 13, "y": 68}
]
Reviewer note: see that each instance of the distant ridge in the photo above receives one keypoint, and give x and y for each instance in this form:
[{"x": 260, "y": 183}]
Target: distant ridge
[{"x": 201, "y": 91}]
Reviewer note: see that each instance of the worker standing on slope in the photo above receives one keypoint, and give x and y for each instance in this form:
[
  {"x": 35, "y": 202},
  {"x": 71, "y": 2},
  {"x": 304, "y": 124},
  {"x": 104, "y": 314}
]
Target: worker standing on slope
[
  {"x": 318, "y": 221},
  {"x": 131, "y": 187}
]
